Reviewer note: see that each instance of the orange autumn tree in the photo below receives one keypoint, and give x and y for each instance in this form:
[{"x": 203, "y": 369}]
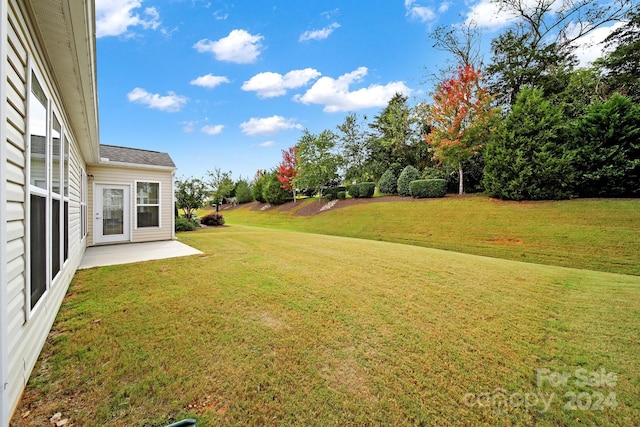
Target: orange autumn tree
[
  {"x": 460, "y": 117},
  {"x": 288, "y": 169}
]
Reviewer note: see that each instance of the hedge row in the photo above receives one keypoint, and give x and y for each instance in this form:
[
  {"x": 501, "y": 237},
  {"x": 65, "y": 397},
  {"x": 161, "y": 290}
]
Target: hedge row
[
  {"x": 424, "y": 188},
  {"x": 363, "y": 190}
]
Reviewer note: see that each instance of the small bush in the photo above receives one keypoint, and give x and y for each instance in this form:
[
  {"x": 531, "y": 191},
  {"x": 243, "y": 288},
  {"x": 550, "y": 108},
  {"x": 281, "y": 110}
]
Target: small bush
[
  {"x": 342, "y": 195},
  {"x": 273, "y": 193},
  {"x": 328, "y": 197},
  {"x": 213, "y": 219},
  {"x": 333, "y": 191},
  {"x": 423, "y": 188},
  {"x": 183, "y": 224},
  {"x": 408, "y": 174},
  {"x": 388, "y": 183},
  {"x": 367, "y": 189},
  {"x": 354, "y": 190}
]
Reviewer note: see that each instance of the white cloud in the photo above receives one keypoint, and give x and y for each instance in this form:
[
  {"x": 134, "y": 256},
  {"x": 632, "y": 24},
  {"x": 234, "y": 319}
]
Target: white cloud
[
  {"x": 239, "y": 47},
  {"x": 268, "y": 125},
  {"x": 319, "y": 34},
  {"x": 334, "y": 94},
  {"x": 487, "y": 14},
  {"x": 209, "y": 81},
  {"x": 188, "y": 127},
  {"x": 444, "y": 7},
  {"x": 212, "y": 129},
  {"x": 590, "y": 47},
  {"x": 267, "y": 144},
  {"x": 170, "y": 102},
  {"x": 421, "y": 13},
  {"x": 269, "y": 85},
  {"x": 116, "y": 17}
]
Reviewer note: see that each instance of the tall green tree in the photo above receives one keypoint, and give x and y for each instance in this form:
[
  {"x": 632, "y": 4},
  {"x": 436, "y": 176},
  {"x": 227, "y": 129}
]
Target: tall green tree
[
  {"x": 607, "y": 140},
  {"x": 190, "y": 194},
  {"x": 221, "y": 184},
  {"x": 352, "y": 141},
  {"x": 538, "y": 48},
  {"x": 317, "y": 160},
  {"x": 394, "y": 126},
  {"x": 621, "y": 65},
  {"x": 527, "y": 157}
]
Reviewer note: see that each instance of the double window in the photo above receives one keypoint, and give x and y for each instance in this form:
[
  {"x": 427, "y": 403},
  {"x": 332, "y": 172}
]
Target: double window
[
  {"x": 48, "y": 193},
  {"x": 147, "y": 204}
]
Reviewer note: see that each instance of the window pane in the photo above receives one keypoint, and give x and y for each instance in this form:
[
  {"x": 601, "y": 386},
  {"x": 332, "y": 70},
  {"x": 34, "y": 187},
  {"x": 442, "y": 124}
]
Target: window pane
[
  {"x": 55, "y": 237},
  {"x": 65, "y": 171},
  {"x": 148, "y": 216},
  {"x": 148, "y": 193},
  {"x": 38, "y": 247},
  {"x": 55, "y": 155},
  {"x": 112, "y": 211},
  {"x": 38, "y": 134},
  {"x": 66, "y": 230}
]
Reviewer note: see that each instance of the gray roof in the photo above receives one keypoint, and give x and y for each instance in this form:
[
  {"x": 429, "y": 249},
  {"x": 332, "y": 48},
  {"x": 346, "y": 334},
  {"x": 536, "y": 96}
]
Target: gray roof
[{"x": 135, "y": 156}]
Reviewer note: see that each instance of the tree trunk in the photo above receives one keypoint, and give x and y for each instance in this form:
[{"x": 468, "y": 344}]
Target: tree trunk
[{"x": 461, "y": 176}]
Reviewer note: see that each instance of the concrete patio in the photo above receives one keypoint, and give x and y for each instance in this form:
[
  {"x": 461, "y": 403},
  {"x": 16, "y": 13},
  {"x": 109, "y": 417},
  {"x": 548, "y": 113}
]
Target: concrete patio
[{"x": 96, "y": 256}]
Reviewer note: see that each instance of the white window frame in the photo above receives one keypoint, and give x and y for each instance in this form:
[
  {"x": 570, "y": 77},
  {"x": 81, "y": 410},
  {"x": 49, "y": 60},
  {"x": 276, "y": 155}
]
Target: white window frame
[
  {"x": 48, "y": 194},
  {"x": 84, "y": 212},
  {"x": 159, "y": 204}
]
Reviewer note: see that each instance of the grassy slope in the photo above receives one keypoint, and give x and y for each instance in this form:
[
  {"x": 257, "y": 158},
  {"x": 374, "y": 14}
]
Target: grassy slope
[
  {"x": 276, "y": 327},
  {"x": 592, "y": 234}
]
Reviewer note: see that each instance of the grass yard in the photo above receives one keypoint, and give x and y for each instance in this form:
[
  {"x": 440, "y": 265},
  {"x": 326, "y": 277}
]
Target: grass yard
[
  {"x": 585, "y": 233},
  {"x": 273, "y": 327}
]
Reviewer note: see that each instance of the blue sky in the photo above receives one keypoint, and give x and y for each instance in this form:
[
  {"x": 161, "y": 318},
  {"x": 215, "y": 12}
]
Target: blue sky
[{"x": 230, "y": 84}]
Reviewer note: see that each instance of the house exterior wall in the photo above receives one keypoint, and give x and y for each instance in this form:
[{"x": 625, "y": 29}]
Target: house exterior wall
[
  {"x": 115, "y": 175},
  {"x": 27, "y": 328}
]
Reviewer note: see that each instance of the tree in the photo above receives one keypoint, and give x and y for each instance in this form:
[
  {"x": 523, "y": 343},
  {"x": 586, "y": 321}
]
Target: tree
[
  {"x": 527, "y": 157},
  {"x": 317, "y": 161},
  {"x": 394, "y": 125},
  {"x": 352, "y": 141},
  {"x": 621, "y": 65},
  {"x": 273, "y": 191},
  {"x": 221, "y": 184},
  {"x": 259, "y": 180},
  {"x": 607, "y": 140},
  {"x": 538, "y": 49},
  {"x": 287, "y": 170},
  {"x": 460, "y": 116},
  {"x": 190, "y": 195},
  {"x": 243, "y": 191},
  {"x": 388, "y": 183},
  {"x": 408, "y": 174},
  {"x": 462, "y": 42}
]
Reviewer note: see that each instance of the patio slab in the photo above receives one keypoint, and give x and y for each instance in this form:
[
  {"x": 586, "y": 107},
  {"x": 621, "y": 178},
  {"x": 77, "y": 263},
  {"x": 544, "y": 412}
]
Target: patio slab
[{"x": 96, "y": 256}]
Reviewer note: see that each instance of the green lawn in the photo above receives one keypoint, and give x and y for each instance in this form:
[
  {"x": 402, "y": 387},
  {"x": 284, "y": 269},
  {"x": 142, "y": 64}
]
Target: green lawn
[
  {"x": 274, "y": 327},
  {"x": 587, "y": 233}
]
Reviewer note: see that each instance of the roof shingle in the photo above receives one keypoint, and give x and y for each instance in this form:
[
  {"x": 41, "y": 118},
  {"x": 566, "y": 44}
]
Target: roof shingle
[{"x": 135, "y": 156}]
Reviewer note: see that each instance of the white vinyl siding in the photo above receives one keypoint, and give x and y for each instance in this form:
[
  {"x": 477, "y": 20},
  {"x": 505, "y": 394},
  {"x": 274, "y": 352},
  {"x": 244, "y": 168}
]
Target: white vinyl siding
[
  {"x": 28, "y": 330},
  {"x": 112, "y": 174}
]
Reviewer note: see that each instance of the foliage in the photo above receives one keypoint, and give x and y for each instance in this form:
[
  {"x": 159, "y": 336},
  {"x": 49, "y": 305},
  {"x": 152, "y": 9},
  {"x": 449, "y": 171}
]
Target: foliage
[
  {"x": 318, "y": 163},
  {"x": 333, "y": 191},
  {"x": 190, "y": 194},
  {"x": 184, "y": 224},
  {"x": 621, "y": 64},
  {"x": 243, "y": 192},
  {"x": 538, "y": 48},
  {"x": 273, "y": 192},
  {"x": 426, "y": 188},
  {"x": 221, "y": 184},
  {"x": 607, "y": 140},
  {"x": 259, "y": 182},
  {"x": 353, "y": 146},
  {"x": 367, "y": 189},
  {"x": 212, "y": 219},
  {"x": 362, "y": 190},
  {"x": 527, "y": 158},
  {"x": 388, "y": 183},
  {"x": 461, "y": 117},
  {"x": 342, "y": 195},
  {"x": 408, "y": 174},
  {"x": 287, "y": 170}
]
